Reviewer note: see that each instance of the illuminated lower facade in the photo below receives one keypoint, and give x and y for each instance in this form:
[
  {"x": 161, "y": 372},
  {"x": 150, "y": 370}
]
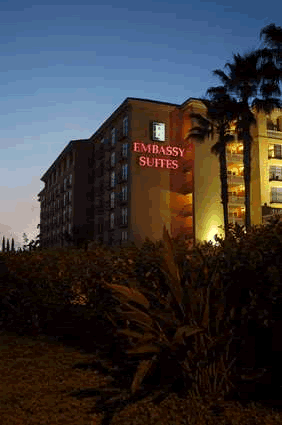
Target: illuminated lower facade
[{"x": 143, "y": 174}]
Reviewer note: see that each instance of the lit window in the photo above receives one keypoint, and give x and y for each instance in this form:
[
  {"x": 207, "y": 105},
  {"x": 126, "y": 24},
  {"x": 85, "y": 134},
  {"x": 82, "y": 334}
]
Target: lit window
[
  {"x": 276, "y": 194},
  {"x": 124, "y": 171},
  {"x": 112, "y": 221},
  {"x": 113, "y": 178},
  {"x": 124, "y": 149},
  {"x": 125, "y": 126},
  {"x": 113, "y": 132},
  {"x": 112, "y": 200},
  {"x": 124, "y": 193},
  {"x": 275, "y": 172},
  {"x": 113, "y": 159},
  {"x": 124, "y": 215},
  {"x": 124, "y": 236},
  {"x": 102, "y": 141}
]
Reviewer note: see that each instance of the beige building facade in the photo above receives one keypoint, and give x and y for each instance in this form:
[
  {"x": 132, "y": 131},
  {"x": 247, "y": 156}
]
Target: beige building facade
[{"x": 138, "y": 172}]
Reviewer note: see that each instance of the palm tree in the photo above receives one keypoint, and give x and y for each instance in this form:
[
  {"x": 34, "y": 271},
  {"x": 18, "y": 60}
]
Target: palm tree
[
  {"x": 272, "y": 38},
  {"x": 221, "y": 113},
  {"x": 254, "y": 85}
]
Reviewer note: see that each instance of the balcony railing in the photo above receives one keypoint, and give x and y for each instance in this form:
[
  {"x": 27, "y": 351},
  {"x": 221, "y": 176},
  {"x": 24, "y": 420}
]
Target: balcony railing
[
  {"x": 239, "y": 200},
  {"x": 236, "y": 219},
  {"x": 235, "y": 178},
  {"x": 276, "y": 200},
  {"x": 236, "y": 157},
  {"x": 274, "y": 134}
]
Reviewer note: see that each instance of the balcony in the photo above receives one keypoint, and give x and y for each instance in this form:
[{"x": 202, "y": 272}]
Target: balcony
[
  {"x": 276, "y": 200},
  {"x": 236, "y": 219},
  {"x": 236, "y": 200},
  {"x": 274, "y": 134},
  {"x": 234, "y": 157},
  {"x": 235, "y": 178}
]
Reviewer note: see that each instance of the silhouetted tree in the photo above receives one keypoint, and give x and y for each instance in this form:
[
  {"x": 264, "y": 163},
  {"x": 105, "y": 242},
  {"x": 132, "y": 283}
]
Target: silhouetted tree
[
  {"x": 3, "y": 244},
  {"x": 8, "y": 245},
  {"x": 13, "y": 245},
  {"x": 255, "y": 86}
]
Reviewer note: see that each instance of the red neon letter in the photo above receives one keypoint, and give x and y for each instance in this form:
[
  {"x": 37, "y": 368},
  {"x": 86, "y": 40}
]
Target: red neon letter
[
  {"x": 155, "y": 149},
  {"x": 142, "y": 159},
  {"x": 181, "y": 151},
  {"x": 145, "y": 148},
  {"x": 135, "y": 147}
]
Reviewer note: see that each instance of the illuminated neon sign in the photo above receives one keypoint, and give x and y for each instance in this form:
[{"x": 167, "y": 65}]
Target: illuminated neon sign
[{"x": 158, "y": 150}]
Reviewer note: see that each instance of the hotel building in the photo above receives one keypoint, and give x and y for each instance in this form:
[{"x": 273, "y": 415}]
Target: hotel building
[{"x": 138, "y": 172}]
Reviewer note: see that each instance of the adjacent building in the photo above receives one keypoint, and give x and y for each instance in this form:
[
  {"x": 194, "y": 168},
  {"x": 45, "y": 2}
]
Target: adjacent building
[{"x": 137, "y": 172}]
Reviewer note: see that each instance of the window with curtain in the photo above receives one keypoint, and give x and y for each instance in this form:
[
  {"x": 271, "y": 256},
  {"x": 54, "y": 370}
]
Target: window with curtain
[{"x": 112, "y": 200}]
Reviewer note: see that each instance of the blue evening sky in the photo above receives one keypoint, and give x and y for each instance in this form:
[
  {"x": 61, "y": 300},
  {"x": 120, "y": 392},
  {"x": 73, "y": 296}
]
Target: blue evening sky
[{"x": 66, "y": 65}]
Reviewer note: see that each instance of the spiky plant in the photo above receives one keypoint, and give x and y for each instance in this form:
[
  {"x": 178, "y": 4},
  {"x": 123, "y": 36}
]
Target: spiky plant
[{"x": 169, "y": 344}]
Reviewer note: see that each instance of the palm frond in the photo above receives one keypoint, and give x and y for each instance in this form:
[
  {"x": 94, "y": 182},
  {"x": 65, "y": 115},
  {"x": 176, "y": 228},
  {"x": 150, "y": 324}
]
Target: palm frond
[
  {"x": 223, "y": 77},
  {"x": 123, "y": 292}
]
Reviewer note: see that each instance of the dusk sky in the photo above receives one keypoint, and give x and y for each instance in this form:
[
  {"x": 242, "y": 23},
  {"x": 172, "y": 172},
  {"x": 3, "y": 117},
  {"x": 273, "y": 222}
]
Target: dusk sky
[{"x": 67, "y": 65}]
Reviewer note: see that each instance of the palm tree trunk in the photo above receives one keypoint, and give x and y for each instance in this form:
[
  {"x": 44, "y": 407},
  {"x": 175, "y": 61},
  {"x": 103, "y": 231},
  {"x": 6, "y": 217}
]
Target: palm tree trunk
[
  {"x": 224, "y": 186},
  {"x": 247, "y": 177}
]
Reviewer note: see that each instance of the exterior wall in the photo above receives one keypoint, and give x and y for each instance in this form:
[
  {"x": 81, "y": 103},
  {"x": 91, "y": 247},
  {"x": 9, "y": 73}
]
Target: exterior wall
[
  {"x": 185, "y": 198},
  {"x": 83, "y": 205},
  {"x": 150, "y": 186},
  {"x": 266, "y": 138},
  {"x": 207, "y": 189}
]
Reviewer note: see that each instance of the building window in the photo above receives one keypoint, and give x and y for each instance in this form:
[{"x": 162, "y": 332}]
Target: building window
[
  {"x": 124, "y": 171},
  {"x": 124, "y": 215},
  {"x": 70, "y": 179},
  {"x": 70, "y": 193},
  {"x": 102, "y": 141},
  {"x": 124, "y": 149},
  {"x": 100, "y": 228},
  {"x": 275, "y": 151},
  {"x": 69, "y": 229},
  {"x": 112, "y": 200},
  {"x": 68, "y": 162},
  {"x": 113, "y": 133},
  {"x": 113, "y": 179},
  {"x": 112, "y": 220},
  {"x": 125, "y": 126},
  {"x": 113, "y": 159},
  {"x": 124, "y": 193},
  {"x": 124, "y": 235},
  {"x": 275, "y": 173},
  {"x": 65, "y": 184},
  {"x": 276, "y": 194}
]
